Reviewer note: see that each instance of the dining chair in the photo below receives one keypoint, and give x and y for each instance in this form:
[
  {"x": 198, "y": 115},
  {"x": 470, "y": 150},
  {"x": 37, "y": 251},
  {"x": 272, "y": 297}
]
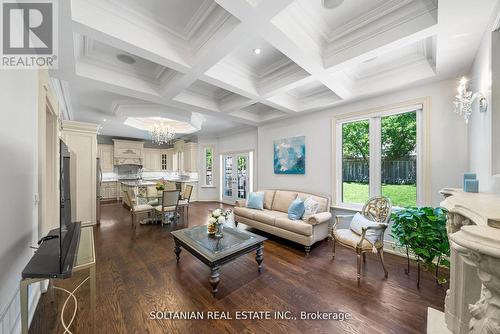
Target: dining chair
[
  {"x": 169, "y": 185},
  {"x": 185, "y": 199},
  {"x": 136, "y": 209},
  {"x": 169, "y": 204},
  {"x": 152, "y": 195},
  {"x": 378, "y": 212}
]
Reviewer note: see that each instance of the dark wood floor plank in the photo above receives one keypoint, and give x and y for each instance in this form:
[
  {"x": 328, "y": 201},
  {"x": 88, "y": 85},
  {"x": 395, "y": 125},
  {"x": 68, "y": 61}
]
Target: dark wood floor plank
[{"x": 137, "y": 273}]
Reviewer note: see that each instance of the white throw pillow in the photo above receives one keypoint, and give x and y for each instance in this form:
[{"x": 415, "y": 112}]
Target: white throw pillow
[
  {"x": 357, "y": 224},
  {"x": 311, "y": 207}
]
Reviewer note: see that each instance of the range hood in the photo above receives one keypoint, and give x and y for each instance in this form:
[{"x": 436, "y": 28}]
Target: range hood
[
  {"x": 128, "y": 161},
  {"x": 128, "y": 152}
]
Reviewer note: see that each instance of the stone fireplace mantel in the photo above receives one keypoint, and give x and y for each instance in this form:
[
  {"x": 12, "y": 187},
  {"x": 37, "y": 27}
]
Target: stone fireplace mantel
[{"x": 472, "y": 303}]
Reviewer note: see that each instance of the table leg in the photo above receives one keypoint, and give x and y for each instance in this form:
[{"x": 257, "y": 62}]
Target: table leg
[
  {"x": 214, "y": 279},
  {"x": 23, "y": 291},
  {"x": 177, "y": 251},
  {"x": 93, "y": 296},
  {"x": 259, "y": 257}
]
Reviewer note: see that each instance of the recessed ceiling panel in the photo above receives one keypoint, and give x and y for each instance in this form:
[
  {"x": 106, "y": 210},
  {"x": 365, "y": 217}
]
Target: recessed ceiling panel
[{"x": 109, "y": 58}]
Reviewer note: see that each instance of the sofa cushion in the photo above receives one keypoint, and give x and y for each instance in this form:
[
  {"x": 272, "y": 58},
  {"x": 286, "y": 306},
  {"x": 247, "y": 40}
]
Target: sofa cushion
[
  {"x": 268, "y": 199},
  {"x": 296, "y": 209},
  {"x": 297, "y": 226},
  {"x": 256, "y": 200},
  {"x": 245, "y": 212},
  {"x": 268, "y": 216},
  {"x": 359, "y": 222},
  {"x": 323, "y": 201},
  {"x": 310, "y": 208},
  {"x": 283, "y": 199},
  {"x": 349, "y": 238}
]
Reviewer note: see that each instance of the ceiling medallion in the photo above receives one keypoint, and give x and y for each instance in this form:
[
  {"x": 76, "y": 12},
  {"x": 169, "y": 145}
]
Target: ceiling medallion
[{"x": 162, "y": 133}]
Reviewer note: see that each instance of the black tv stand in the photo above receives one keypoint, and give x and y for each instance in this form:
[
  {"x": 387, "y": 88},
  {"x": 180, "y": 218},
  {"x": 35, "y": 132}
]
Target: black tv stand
[{"x": 44, "y": 265}]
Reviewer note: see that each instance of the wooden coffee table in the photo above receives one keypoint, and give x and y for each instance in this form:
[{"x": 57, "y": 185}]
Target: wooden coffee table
[{"x": 215, "y": 252}]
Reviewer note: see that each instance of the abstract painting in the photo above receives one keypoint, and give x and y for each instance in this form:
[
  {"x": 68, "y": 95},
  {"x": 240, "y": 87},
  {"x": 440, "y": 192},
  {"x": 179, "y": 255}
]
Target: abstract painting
[{"x": 290, "y": 155}]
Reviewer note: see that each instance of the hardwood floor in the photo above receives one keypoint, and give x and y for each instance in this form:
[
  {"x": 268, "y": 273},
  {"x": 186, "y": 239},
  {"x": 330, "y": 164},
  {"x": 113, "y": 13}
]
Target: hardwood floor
[{"x": 137, "y": 273}]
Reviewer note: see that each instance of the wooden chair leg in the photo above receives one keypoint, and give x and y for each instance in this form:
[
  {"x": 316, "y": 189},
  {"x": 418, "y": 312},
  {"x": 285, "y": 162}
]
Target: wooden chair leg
[
  {"x": 359, "y": 268},
  {"x": 132, "y": 216},
  {"x": 380, "y": 252},
  {"x": 333, "y": 248},
  {"x": 364, "y": 257}
]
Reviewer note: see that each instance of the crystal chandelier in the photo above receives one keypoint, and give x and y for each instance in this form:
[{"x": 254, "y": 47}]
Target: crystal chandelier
[
  {"x": 162, "y": 133},
  {"x": 464, "y": 99}
]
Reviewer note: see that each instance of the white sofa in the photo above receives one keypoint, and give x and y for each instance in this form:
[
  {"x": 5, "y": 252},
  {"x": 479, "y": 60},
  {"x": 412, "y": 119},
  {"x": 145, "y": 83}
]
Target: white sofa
[{"x": 274, "y": 218}]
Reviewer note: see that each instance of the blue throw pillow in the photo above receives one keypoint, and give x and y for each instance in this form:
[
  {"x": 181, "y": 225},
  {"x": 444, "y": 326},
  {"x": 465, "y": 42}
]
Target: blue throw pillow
[
  {"x": 256, "y": 200},
  {"x": 296, "y": 209}
]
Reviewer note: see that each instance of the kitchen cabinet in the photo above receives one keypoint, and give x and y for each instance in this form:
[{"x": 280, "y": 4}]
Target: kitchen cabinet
[
  {"x": 108, "y": 190},
  {"x": 152, "y": 160},
  {"x": 190, "y": 157},
  {"x": 105, "y": 153},
  {"x": 81, "y": 139}
]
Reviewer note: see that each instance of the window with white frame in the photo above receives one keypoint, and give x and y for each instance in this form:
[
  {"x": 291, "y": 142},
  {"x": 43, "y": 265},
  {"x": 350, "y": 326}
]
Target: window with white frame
[
  {"x": 208, "y": 162},
  {"x": 380, "y": 154}
]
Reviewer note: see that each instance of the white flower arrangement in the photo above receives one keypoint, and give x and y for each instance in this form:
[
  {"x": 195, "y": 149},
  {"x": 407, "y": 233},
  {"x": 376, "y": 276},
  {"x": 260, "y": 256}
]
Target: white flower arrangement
[{"x": 219, "y": 216}]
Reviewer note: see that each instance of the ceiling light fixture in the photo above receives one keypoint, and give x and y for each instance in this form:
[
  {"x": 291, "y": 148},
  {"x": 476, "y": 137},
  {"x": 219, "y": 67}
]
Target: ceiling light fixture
[
  {"x": 331, "y": 4},
  {"x": 162, "y": 133},
  {"x": 464, "y": 99},
  {"x": 257, "y": 51},
  {"x": 127, "y": 59}
]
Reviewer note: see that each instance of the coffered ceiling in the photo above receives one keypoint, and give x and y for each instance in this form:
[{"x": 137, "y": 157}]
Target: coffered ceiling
[{"x": 241, "y": 63}]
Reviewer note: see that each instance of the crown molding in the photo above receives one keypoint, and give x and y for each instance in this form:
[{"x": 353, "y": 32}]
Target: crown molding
[{"x": 392, "y": 18}]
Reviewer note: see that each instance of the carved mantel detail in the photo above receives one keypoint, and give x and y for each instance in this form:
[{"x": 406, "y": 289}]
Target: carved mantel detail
[
  {"x": 472, "y": 303},
  {"x": 481, "y": 247}
]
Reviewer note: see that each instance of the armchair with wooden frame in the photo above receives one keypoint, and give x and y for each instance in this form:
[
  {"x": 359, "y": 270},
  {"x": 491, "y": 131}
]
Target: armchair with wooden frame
[{"x": 377, "y": 210}]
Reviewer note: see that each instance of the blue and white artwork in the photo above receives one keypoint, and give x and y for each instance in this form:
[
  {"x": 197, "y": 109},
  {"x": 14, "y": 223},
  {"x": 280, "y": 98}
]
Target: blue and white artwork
[{"x": 290, "y": 155}]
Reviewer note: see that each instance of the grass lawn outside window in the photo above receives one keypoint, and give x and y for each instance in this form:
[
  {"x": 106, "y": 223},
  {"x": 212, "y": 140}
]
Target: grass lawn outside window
[{"x": 401, "y": 195}]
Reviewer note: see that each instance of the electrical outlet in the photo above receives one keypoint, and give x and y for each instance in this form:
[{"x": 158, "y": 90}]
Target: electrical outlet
[{"x": 37, "y": 199}]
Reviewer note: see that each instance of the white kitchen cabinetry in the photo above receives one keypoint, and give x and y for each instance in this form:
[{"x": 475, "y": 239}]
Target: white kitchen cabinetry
[
  {"x": 108, "y": 190},
  {"x": 190, "y": 155},
  {"x": 152, "y": 160},
  {"x": 105, "y": 152},
  {"x": 81, "y": 139}
]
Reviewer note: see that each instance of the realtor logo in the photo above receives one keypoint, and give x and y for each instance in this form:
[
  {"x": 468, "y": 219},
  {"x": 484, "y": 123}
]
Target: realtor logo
[{"x": 29, "y": 36}]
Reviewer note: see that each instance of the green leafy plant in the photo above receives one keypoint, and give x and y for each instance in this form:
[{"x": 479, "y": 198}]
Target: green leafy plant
[{"x": 423, "y": 231}]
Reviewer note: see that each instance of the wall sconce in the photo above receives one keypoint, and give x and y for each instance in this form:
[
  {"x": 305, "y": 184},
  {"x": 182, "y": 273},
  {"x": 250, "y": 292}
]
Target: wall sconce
[{"x": 464, "y": 99}]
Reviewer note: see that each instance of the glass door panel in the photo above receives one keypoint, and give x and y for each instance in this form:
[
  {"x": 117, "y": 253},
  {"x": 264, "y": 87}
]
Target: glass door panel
[{"x": 235, "y": 177}]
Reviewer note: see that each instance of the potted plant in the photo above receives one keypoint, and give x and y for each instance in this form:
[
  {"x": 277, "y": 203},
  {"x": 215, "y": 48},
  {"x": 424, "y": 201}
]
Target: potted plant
[{"x": 423, "y": 232}]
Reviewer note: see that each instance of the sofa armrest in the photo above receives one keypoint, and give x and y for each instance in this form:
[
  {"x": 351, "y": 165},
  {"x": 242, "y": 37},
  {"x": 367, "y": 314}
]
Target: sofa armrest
[
  {"x": 241, "y": 204},
  {"x": 319, "y": 218}
]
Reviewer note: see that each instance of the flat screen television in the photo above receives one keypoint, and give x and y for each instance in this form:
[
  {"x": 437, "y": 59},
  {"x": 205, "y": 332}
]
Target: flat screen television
[{"x": 56, "y": 254}]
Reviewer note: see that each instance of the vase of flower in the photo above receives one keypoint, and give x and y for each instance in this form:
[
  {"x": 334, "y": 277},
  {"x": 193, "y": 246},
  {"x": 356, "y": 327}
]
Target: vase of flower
[
  {"x": 160, "y": 185},
  {"x": 216, "y": 222}
]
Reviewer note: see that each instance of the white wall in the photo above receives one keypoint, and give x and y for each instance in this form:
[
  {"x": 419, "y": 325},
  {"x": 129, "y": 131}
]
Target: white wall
[
  {"x": 483, "y": 148},
  {"x": 19, "y": 179},
  {"x": 448, "y": 140}
]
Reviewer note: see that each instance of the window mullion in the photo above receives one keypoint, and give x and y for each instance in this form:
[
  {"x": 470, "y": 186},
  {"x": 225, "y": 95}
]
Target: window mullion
[{"x": 375, "y": 157}]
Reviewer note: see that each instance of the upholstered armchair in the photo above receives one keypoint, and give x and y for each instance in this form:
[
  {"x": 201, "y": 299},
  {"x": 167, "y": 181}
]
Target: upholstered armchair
[{"x": 367, "y": 236}]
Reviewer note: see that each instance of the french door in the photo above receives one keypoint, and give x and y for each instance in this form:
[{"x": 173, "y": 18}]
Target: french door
[{"x": 236, "y": 170}]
